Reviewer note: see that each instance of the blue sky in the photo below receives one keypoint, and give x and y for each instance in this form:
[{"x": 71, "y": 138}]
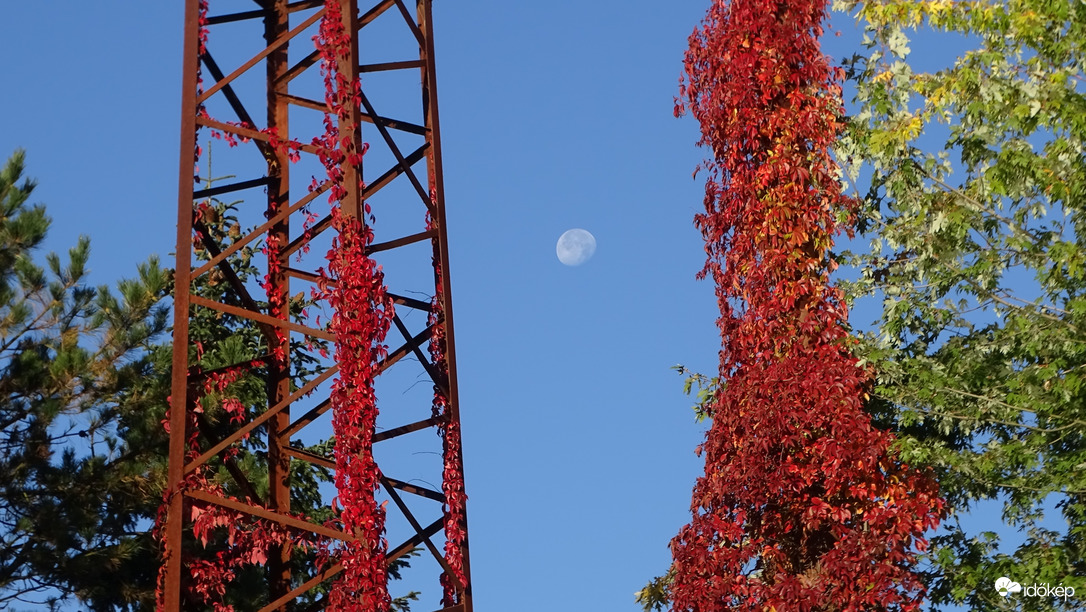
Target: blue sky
[{"x": 578, "y": 440}]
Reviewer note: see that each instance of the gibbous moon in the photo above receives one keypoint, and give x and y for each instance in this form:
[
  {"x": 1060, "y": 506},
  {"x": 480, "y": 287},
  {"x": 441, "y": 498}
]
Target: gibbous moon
[{"x": 575, "y": 247}]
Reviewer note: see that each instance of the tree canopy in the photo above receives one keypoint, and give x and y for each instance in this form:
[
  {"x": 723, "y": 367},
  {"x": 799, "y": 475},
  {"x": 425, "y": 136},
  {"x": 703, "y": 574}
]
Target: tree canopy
[
  {"x": 974, "y": 212},
  {"x": 74, "y": 479}
]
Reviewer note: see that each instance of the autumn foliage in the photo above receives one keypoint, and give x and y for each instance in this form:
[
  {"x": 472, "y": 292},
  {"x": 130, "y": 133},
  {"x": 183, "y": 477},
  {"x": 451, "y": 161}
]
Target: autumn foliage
[
  {"x": 803, "y": 505},
  {"x": 452, "y": 474},
  {"x": 361, "y": 319}
]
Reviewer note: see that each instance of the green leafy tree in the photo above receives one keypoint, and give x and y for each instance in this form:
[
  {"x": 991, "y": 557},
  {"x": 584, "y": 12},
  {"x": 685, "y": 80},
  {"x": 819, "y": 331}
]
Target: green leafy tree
[
  {"x": 975, "y": 180},
  {"x": 70, "y": 489}
]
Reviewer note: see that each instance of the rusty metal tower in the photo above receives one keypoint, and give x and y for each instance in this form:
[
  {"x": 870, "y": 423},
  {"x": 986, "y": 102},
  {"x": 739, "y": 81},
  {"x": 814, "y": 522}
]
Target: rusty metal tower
[{"x": 289, "y": 101}]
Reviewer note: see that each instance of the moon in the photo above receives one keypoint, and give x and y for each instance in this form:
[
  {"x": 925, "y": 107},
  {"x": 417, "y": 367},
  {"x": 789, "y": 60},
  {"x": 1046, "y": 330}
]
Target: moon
[{"x": 575, "y": 247}]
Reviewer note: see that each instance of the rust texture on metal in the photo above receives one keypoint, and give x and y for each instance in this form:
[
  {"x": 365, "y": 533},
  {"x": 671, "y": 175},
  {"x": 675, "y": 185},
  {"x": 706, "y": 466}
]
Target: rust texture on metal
[{"x": 261, "y": 88}]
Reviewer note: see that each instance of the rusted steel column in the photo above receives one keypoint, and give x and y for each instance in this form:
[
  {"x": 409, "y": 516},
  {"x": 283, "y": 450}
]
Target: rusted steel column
[
  {"x": 424, "y": 11},
  {"x": 276, "y": 24},
  {"x": 182, "y": 284},
  {"x": 350, "y": 126}
]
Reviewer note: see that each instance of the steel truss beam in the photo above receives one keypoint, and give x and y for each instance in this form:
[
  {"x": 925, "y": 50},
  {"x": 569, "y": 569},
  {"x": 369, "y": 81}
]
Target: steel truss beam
[{"x": 222, "y": 100}]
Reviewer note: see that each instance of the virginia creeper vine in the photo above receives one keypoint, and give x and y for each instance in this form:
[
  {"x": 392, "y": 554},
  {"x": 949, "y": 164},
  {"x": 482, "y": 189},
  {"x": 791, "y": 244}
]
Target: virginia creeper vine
[
  {"x": 803, "y": 505},
  {"x": 362, "y": 315},
  {"x": 452, "y": 482}
]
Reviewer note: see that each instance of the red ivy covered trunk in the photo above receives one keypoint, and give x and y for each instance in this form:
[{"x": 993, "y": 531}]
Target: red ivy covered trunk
[{"x": 803, "y": 506}]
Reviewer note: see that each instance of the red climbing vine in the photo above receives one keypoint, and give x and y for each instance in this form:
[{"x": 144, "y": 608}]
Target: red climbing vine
[
  {"x": 452, "y": 482},
  {"x": 803, "y": 505},
  {"x": 362, "y": 315},
  {"x": 232, "y": 539}
]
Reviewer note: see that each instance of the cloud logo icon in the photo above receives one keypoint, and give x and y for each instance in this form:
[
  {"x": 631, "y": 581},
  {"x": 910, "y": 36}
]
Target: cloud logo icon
[{"x": 1005, "y": 586}]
